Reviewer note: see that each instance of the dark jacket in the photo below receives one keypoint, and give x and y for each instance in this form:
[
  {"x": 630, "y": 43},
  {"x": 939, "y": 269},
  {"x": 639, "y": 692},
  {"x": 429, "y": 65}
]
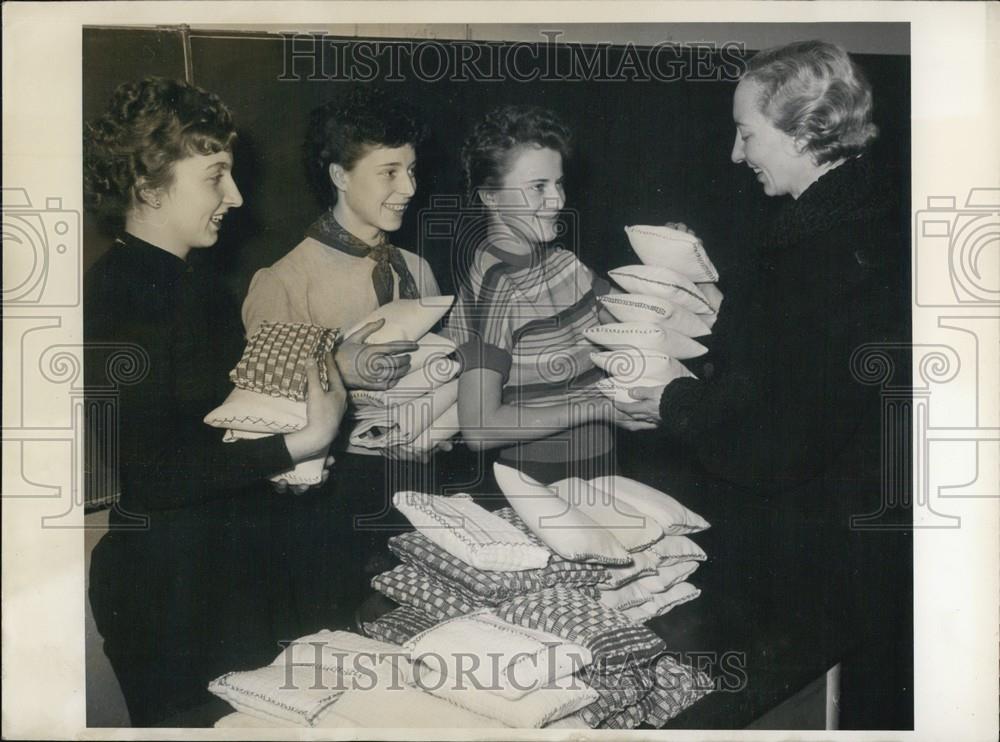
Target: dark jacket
[{"x": 186, "y": 584}]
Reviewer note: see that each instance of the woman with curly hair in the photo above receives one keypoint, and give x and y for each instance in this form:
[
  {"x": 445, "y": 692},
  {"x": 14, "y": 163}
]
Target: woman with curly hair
[
  {"x": 361, "y": 153},
  {"x": 524, "y": 305},
  {"x": 184, "y": 586}
]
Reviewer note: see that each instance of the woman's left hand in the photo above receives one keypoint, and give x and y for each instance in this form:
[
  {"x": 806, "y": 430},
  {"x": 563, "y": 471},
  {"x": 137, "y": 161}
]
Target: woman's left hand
[
  {"x": 281, "y": 486},
  {"x": 646, "y": 408}
]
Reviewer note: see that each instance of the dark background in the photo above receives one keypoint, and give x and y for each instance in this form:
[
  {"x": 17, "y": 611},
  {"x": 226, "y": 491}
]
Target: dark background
[{"x": 646, "y": 151}]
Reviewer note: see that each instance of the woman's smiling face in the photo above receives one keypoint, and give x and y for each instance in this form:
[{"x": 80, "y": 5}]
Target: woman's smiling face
[
  {"x": 192, "y": 206},
  {"x": 531, "y": 194},
  {"x": 374, "y": 193},
  {"x": 781, "y": 167}
]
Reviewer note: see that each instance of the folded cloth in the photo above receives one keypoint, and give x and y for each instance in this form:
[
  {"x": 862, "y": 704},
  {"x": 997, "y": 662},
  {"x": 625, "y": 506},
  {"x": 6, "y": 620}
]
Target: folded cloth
[
  {"x": 399, "y": 625},
  {"x": 631, "y": 528},
  {"x": 564, "y": 529},
  {"x": 405, "y": 319},
  {"x": 636, "y": 367},
  {"x": 611, "y": 637},
  {"x": 275, "y": 357},
  {"x": 405, "y": 707},
  {"x": 655, "y": 309},
  {"x": 667, "y": 576},
  {"x": 407, "y": 585},
  {"x": 660, "y": 603},
  {"x": 664, "y": 282},
  {"x": 645, "y": 336},
  {"x": 674, "y": 549},
  {"x": 476, "y": 536},
  {"x": 423, "y": 380},
  {"x": 554, "y": 700},
  {"x": 674, "y": 518},
  {"x": 418, "y": 551},
  {"x": 520, "y": 660},
  {"x": 258, "y": 413},
  {"x": 405, "y": 419},
  {"x": 644, "y": 564},
  {"x": 309, "y": 471},
  {"x": 309, "y": 675},
  {"x": 674, "y": 249},
  {"x": 444, "y": 427}
]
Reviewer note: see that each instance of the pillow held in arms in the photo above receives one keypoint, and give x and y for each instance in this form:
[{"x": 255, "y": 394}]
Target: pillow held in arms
[
  {"x": 655, "y": 309},
  {"x": 563, "y": 528},
  {"x": 671, "y": 248},
  {"x": 644, "y": 336},
  {"x": 634, "y": 530},
  {"x": 674, "y": 518},
  {"x": 637, "y": 367},
  {"x": 470, "y": 532},
  {"x": 407, "y": 417},
  {"x": 253, "y": 412},
  {"x": 663, "y": 282},
  {"x": 274, "y": 360},
  {"x": 406, "y": 319}
]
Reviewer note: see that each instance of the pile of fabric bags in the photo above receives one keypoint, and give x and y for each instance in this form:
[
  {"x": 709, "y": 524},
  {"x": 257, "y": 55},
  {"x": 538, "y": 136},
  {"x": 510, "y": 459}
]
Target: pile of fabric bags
[
  {"x": 524, "y": 617},
  {"x": 666, "y": 307},
  {"x": 421, "y": 409},
  {"x": 269, "y": 397}
]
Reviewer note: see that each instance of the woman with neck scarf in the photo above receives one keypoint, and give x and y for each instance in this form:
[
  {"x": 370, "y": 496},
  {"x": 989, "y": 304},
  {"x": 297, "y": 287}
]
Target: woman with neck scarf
[
  {"x": 524, "y": 305},
  {"x": 362, "y": 151},
  {"x": 185, "y": 585}
]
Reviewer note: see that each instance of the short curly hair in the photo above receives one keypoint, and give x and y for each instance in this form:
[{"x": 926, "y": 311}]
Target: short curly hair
[
  {"x": 486, "y": 153},
  {"x": 815, "y": 93},
  {"x": 342, "y": 132},
  {"x": 148, "y": 126}
]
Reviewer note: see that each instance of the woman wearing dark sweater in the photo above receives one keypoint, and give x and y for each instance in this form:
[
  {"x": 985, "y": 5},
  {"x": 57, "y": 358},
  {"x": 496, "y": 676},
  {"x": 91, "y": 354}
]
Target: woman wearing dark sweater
[
  {"x": 188, "y": 582},
  {"x": 782, "y": 424}
]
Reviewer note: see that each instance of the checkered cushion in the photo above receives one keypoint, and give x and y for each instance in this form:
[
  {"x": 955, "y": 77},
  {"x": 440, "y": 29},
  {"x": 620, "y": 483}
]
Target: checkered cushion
[
  {"x": 399, "y": 625},
  {"x": 609, "y": 635},
  {"x": 677, "y": 686},
  {"x": 407, "y": 585},
  {"x": 417, "y": 550},
  {"x": 617, "y": 691},
  {"x": 274, "y": 361}
]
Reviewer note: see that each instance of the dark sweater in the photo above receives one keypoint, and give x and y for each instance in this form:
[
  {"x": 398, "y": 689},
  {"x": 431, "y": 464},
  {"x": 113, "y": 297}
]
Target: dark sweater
[
  {"x": 776, "y": 403},
  {"x": 189, "y": 582}
]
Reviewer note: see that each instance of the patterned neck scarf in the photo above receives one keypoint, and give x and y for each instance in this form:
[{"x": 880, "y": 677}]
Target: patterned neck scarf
[{"x": 387, "y": 258}]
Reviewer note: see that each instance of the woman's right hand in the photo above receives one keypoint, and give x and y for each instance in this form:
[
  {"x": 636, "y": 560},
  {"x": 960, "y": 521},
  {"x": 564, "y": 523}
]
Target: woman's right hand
[
  {"x": 324, "y": 411},
  {"x": 378, "y": 366}
]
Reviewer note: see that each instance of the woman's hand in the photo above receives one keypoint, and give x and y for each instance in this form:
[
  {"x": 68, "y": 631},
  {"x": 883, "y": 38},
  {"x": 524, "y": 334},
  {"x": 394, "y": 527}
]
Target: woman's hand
[
  {"x": 324, "y": 411},
  {"x": 378, "y": 366},
  {"x": 645, "y": 410},
  {"x": 281, "y": 486}
]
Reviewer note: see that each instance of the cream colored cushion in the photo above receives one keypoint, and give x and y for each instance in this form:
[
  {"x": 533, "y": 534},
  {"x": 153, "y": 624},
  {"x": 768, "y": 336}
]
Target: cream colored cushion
[
  {"x": 466, "y": 530},
  {"x": 258, "y": 413},
  {"x": 671, "y": 248},
  {"x": 668, "y": 575},
  {"x": 640, "y": 367},
  {"x": 661, "y": 603},
  {"x": 406, "y": 319},
  {"x": 655, "y": 309},
  {"x": 563, "y": 528},
  {"x": 422, "y": 380},
  {"x": 674, "y": 518},
  {"x": 663, "y": 282},
  {"x": 633, "y": 530},
  {"x": 645, "y": 336}
]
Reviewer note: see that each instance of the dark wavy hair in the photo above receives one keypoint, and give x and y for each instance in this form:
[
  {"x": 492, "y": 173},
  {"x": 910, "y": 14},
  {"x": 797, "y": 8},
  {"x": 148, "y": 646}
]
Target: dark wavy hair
[
  {"x": 486, "y": 153},
  {"x": 815, "y": 93},
  {"x": 149, "y": 125},
  {"x": 345, "y": 130}
]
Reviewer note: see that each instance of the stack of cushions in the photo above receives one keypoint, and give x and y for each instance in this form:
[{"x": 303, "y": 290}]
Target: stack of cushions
[
  {"x": 623, "y": 559},
  {"x": 269, "y": 397},
  {"x": 659, "y": 317},
  {"x": 421, "y": 409}
]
